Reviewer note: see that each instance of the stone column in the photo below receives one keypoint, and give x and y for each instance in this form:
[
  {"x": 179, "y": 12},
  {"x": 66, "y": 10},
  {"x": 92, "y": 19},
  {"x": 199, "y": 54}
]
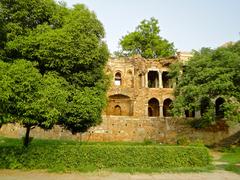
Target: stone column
[
  {"x": 161, "y": 111},
  {"x": 146, "y": 110},
  {"x": 146, "y": 80},
  {"x": 131, "y": 108},
  {"x": 183, "y": 115},
  {"x": 160, "y": 79},
  {"x": 197, "y": 114},
  {"x": 173, "y": 83},
  {"x": 143, "y": 82}
]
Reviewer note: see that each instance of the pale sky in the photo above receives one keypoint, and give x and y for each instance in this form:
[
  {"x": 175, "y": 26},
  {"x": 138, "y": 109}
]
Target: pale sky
[{"x": 189, "y": 24}]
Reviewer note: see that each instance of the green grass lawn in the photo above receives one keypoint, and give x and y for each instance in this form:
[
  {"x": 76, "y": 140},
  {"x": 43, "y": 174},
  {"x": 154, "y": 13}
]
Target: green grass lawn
[
  {"x": 232, "y": 156},
  {"x": 15, "y": 141}
]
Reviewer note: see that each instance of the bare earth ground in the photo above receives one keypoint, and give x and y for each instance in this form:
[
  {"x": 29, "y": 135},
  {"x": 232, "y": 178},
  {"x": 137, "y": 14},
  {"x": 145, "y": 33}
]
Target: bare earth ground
[{"x": 38, "y": 175}]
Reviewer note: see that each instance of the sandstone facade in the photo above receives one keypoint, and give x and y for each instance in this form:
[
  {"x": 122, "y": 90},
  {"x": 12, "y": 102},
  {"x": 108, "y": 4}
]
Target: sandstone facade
[{"x": 139, "y": 87}]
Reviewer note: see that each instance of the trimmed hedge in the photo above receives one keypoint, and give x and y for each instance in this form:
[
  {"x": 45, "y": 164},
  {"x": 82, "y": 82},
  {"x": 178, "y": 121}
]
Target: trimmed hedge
[{"x": 75, "y": 157}]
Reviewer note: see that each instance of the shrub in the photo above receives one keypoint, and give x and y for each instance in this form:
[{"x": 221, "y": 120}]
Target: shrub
[
  {"x": 76, "y": 157},
  {"x": 183, "y": 141}
]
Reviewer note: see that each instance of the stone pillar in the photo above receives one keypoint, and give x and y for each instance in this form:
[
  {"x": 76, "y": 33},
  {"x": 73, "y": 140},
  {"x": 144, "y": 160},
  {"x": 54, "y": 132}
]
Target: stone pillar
[
  {"x": 131, "y": 108},
  {"x": 146, "y": 80},
  {"x": 160, "y": 79},
  {"x": 183, "y": 115},
  {"x": 146, "y": 110},
  {"x": 161, "y": 111},
  {"x": 197, "y": 114},
  {"x": 174, "y": 83}
]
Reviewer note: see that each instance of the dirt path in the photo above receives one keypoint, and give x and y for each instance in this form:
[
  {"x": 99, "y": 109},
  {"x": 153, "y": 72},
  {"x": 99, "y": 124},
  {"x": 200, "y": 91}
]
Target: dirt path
[{"x": 36, "y": 175}]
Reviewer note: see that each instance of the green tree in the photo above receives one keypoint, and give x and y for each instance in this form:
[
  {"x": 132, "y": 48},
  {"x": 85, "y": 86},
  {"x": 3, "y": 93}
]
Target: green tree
[
  {"x": 68, "y": 44},
  {"x": 145, "y": 41},
  {"x": 208, "y": 75},
  {"x": 20, "y": 17},
  {"x": 29, "y": 98}
]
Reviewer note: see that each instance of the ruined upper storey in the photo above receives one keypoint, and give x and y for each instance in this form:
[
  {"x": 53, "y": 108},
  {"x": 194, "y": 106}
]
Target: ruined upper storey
[{"x": 140, "y": 87}]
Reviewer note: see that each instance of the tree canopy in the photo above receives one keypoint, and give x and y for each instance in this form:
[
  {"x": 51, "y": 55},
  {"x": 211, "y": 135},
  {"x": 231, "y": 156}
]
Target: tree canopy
[
  {"x": 145, "y": 41},
  {"x": 29, "y": 98},
  {"x": 52, "y": 49},
  {"x": 210, "y": 74}
]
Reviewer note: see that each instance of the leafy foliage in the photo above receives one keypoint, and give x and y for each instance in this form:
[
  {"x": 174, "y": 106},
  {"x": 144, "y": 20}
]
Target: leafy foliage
[
  {"x": 145, "y": 41},
  {"x": 77, "y": 157},
  {"x": 61, "y": 50},
  {"x": 74, "y": 51},
  {"x": 84, "y": 110},
  {"x": 210, "y": 74},
  {"x": 20, "y": 17},
  {"x": 30, "y": 99}
]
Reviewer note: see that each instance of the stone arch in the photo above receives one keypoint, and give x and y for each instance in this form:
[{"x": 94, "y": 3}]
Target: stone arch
[
  {"x": 167, "y": 106},
  {"x": 117, "y": 110},
  {"x": 119, "y": 105},
  {"x": 129, "y": 72},
  {"x": 219, "y": 111},
  {"x": 119, "y": 96},
  {"x": 153, "y": 79},
  {"x": 204, "y": 105},
  {"x": 118, "y": 78},
  {"x": 153, "y": 107}
]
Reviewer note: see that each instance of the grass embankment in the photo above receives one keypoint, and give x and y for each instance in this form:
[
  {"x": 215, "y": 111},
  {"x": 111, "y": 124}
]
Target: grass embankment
[
  {"x": 232, "y": 157},
  {"x": 56, "y": 155}
]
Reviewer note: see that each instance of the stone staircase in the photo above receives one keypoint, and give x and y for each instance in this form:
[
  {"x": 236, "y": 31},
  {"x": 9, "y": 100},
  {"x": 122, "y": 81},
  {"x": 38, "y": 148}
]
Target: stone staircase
[{"x": 226, "y": 142}]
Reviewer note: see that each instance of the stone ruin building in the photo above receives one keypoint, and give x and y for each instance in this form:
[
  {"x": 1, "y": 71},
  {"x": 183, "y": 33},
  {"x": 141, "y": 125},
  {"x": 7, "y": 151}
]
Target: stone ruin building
[
  {"x": 139, "y": 104},
  {"x": 139, "y": 88},
  {"x": 139, "y": 101}
]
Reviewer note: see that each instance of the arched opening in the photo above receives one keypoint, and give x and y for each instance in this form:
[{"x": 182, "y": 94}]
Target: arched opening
[
  {"x": 219, "y": 107},
  {"x": 190, "y": 113},
  {"x": 117, "y": 110},
  {"x": 204, "y": 106},
  {"x": 140, "y": 80},
  {"x": 129, "y": 72},
  {"x": 119, "y": 105},
  {"x": 153, "y": 79},
  {"x": 166, "y": 80},
  {"x": 153, "y": 107},
  {"x": 167, "y": 106},
  {"x": 118, "y": 79},
  {"x": 150, "y": 112}
]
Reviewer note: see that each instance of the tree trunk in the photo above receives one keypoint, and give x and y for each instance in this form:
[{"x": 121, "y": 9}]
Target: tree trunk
[{"x": 27, "y": 136}]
